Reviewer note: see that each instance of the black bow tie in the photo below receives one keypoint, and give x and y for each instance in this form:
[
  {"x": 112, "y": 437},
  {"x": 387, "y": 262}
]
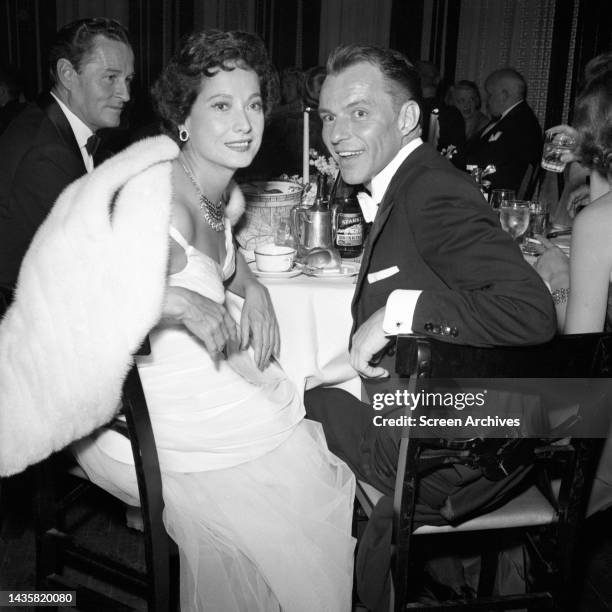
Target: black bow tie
[{"x": 92, "y": 144}]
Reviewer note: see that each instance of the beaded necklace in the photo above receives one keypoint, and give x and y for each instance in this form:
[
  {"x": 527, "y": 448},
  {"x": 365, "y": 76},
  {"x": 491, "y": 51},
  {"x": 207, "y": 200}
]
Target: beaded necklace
[{"x": 212, "y": 213}]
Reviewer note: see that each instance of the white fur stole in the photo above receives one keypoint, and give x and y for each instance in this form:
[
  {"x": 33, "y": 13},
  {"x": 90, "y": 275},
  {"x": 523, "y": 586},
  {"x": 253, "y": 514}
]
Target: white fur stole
[{"x": 90, "y": 288}]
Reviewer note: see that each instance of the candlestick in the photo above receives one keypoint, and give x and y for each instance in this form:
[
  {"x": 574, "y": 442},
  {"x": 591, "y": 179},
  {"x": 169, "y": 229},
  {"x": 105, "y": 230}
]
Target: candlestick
[{"x": 306, "y": 148}]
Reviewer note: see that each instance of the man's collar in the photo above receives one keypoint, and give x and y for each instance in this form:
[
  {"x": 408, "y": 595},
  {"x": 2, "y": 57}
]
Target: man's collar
[
  {"x": 381, "y": 181},
  {"x": 81, "y": 131},
  {"x": 509, "y": 109}
]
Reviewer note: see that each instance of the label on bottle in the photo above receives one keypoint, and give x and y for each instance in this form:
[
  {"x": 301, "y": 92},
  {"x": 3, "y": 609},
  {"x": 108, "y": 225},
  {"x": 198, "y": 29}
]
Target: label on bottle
[{"x": 349, "y": 231}]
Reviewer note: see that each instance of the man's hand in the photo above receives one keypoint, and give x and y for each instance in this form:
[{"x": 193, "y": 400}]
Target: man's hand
[
  {"x": 204, "y": 318},
  {"x": 258, "y": 324},
  {"x": 368, "y": 340}
]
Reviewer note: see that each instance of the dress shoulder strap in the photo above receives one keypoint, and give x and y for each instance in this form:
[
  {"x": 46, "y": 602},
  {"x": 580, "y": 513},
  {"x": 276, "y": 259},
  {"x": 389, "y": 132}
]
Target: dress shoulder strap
[{"x": 178, "y": 237}]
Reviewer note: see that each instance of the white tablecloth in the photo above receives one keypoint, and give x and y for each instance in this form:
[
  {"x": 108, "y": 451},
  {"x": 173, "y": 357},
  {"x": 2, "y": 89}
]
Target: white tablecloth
[{"x": 314, "y": 316}]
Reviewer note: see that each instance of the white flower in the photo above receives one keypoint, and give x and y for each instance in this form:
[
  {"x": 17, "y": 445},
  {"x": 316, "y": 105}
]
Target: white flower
[
  {"x": 324, "y": 165},
  {"x": 449, "y": 152}
]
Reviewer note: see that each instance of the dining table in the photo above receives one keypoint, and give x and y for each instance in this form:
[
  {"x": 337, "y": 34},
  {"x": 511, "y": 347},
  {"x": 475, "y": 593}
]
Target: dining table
[{"x": 314, "y": 318}]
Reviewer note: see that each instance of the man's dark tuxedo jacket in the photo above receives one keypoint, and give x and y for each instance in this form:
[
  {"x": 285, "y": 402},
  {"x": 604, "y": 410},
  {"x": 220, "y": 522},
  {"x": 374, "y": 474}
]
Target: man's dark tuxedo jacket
[
  {"x": 511, "y": 145},
  {"x": 433, "y": 232},
  {"x": 39, "y": 156},
  {"x": 436, "y": 233}
]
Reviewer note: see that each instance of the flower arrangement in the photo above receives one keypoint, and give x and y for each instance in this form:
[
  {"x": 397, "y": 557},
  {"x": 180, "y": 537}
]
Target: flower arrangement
[
  {"x": 449, "y": 152},
  {"x": 323, "y": 165}
]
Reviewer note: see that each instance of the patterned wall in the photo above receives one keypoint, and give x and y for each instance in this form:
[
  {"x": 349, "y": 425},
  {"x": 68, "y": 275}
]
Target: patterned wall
[{"x": 517, "y": 33}]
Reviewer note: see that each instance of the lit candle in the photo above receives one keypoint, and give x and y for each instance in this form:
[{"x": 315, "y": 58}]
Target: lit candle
[{"x": 306, "y": 148}]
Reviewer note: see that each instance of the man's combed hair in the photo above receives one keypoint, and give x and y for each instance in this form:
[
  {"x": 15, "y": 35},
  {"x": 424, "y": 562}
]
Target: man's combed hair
[
  {"x": 593, "y": 119},
  {"x": 396, "y": 68},
  {"x": 75, "y": 40},
  {"x": 203, "y": 54}
]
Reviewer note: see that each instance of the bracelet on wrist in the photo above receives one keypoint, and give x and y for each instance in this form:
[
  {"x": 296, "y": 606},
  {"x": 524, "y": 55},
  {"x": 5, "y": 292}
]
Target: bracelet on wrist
[{"x": 560, "y": 296}]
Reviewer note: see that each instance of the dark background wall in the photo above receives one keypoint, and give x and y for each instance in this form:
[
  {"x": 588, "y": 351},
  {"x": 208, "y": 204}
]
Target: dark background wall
[{"x": 428, "y": 29}]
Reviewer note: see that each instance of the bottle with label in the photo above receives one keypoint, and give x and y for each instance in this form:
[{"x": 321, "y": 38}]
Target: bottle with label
[{"x": 349, "y": 225}]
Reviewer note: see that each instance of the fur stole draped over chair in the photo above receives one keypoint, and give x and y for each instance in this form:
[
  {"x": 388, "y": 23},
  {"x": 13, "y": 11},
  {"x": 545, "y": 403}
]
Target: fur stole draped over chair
[{"x": 90, "y": 288}]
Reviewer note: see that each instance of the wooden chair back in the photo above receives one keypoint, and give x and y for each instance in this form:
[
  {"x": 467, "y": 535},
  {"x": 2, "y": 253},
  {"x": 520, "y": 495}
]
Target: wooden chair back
[
  {"x": 423, "y": 359},
  {"x": 57, "y": 549}
]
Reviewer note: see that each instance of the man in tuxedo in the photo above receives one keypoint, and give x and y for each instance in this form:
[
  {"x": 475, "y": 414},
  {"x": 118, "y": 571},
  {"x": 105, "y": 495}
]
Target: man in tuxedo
[
  {"x": 436, "y": 262},
  {"x": 53, "y": 142},
  {"x": 513, "y": 138}
]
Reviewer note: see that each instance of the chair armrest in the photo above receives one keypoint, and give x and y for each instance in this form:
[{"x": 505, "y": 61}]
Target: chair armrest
[{"x": 569, "y": 356}]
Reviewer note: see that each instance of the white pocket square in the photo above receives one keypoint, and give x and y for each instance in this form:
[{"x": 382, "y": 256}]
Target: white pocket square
[
  {"x": 494, "y": 137},
  {"x": 374, "y": 277}
]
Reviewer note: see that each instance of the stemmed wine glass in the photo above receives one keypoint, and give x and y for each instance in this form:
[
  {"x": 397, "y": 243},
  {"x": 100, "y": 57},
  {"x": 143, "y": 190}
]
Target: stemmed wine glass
[
  {"x": 499, "y": 196},
  {"x": 514, "y": 217}
]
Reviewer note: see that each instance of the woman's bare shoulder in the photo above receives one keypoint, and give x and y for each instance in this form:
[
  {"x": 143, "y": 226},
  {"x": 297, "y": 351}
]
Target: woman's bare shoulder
[{"x": 595, "y": 222}]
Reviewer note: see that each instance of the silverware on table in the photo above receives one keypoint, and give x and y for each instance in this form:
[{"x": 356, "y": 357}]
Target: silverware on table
[{"x": 565, "y": 232}]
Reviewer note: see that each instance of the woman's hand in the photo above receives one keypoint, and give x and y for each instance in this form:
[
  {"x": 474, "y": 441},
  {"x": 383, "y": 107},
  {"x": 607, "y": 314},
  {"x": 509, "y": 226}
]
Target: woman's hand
[
  {"x": 552, "y": 264},
  {"x": 258, "y": 324},
  {"x": 203, "y": 317}
]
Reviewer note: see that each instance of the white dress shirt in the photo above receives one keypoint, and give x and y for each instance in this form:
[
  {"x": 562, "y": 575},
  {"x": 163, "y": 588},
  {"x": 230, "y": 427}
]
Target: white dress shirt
[{"x": 81, "y": 133}]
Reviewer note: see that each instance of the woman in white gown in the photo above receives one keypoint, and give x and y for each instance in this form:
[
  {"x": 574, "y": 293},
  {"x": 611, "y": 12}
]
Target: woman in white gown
[{"x": 260, "y": 509}]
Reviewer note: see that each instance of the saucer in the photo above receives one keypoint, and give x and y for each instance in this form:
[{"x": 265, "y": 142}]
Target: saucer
[
  {"x": 295, "y": 270},
  {"x": 346, "y": 270}
]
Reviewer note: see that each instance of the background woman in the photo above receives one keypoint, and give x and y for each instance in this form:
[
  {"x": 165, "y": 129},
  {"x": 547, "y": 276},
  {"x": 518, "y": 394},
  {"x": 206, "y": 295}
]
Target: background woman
[
  {"x": 259, "y": 507},
  {"x": 466, "y": 97},
  {"x": 589, "y": 271},
  {"x": 580, "y": 285}
]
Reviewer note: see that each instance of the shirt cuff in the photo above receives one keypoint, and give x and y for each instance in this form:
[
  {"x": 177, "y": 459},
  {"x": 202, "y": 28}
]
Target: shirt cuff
[{"x": 399, "y": 311}]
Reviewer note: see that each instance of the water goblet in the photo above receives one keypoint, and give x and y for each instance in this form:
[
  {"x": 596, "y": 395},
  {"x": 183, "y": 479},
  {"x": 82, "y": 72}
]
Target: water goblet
[
  {"x": 500, "y": 196},
  {"x": 514, "y": 217}
]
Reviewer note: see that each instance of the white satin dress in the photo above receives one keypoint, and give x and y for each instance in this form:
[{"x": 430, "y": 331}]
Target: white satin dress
[{"x": 259, "y": 507}]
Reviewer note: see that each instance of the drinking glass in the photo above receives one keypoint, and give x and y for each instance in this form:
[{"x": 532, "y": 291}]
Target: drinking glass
[
  {"x": 538, "y": 225},
  {"x": 555, "y": 146},
  {"x": 514, "y": 217},
  {"x": 500, "y": 196}
]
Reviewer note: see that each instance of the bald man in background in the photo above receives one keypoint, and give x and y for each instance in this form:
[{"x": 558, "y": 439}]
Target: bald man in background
[{"x": 513, "y": 138}]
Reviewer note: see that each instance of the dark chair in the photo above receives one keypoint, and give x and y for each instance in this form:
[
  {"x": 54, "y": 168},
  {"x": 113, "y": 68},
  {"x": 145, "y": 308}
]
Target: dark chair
[
  {"x": 547, "y": 515},
  {"x": 58, "y": 547},
  {"x": 531, "y": 180},
  {"x": 6, "y": 295}
]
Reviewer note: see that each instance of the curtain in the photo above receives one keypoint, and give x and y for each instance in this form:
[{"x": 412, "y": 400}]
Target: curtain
[
  {"x": 517, "y": 33},
  {"x": 353, "y": 21},
  {"x": 226, "y": 14},
  {"x": 69, "y": 10}
]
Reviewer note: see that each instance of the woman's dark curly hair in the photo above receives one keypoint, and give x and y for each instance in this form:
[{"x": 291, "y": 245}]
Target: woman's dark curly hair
[
  {"x": 204, "y": 54},
  {"x": 593, "y": 120}
]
